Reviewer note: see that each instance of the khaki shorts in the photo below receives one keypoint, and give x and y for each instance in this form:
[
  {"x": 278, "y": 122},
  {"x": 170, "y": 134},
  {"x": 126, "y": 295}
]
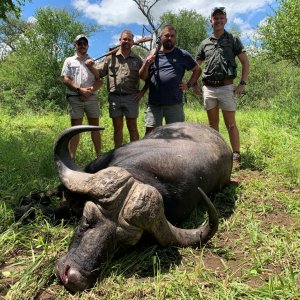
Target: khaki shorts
[
  {"x": 123, "y": 105},
  {"x": 154, "y": 114},
  {"x": 90, "y": 107},
  {"x": 221, "y": 97}
]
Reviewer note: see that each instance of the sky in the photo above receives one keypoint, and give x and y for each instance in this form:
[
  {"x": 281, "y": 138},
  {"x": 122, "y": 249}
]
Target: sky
[{"x": 115, "y": 15}]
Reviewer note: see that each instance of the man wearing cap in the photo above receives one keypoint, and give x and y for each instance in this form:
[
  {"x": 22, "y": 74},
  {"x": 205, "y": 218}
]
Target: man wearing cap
[
  {"x": 218, "y": 52},
  {"x": 82, "y": 86}
]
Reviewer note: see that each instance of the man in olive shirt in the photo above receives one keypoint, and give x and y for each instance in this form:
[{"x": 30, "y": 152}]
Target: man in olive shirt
[
  {"x": 122, "y": 71},
  {"x": 219, "y": 52}
]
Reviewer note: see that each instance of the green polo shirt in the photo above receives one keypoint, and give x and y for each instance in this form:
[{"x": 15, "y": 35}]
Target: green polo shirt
[
  {"x": 219, "y": 56},
  {"x": 122, "y": 73}
]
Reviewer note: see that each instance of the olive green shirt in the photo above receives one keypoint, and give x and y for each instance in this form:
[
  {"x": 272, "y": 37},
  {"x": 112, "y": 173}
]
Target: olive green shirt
[
  {"x": 219, "y": 56},
  {"x": 122, "y": 73}
]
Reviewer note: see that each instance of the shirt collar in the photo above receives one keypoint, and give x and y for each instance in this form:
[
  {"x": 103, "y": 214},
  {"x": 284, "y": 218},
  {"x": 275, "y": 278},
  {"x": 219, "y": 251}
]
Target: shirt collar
[
  {"x": 78, "y": 58},
  {"x": 212, "y": 37},
  {"x": 118, "y": 53}
]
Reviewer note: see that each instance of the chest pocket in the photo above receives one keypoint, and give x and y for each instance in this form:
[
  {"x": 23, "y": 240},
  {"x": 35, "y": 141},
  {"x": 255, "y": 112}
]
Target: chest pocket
[
  {"x": 209, "y": 50},
  {"x": 74, "y": 70},
  {"x": 226, "y": 46},
  {"x": 113, "y": 71}
]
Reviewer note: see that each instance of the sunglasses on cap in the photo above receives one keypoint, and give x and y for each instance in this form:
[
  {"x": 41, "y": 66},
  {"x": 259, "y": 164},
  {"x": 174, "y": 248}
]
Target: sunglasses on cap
[{"x": 222, "y": 9}]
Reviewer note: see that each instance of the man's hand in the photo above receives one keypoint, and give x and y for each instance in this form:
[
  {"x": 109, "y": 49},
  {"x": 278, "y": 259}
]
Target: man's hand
[
  {"x": 89, "y": 62},
  {"x": 240, "y": 89},
  {"x": 183, "y": 86},
  {"x": 85, "y": 93},
  {"x": 138, "y": 96},
  {"x": 197, "y": 90}
]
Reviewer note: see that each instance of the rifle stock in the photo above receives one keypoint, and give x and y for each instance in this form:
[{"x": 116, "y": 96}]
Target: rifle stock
[{"x": 116, "y": 48}]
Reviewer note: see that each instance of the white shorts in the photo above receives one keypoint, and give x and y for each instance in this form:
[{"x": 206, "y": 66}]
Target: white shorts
[{"x": 221, "y": 97}]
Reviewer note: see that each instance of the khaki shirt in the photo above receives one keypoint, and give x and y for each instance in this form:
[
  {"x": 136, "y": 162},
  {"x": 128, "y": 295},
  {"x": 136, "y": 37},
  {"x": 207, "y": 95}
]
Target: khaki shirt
[
  {"x": 219, "y": 56},
  {"x": 122, "y": 73}
]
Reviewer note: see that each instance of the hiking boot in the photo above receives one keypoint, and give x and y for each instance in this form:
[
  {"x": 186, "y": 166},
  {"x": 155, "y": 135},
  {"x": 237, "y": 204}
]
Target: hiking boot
[{"x": 236, "y": 158}]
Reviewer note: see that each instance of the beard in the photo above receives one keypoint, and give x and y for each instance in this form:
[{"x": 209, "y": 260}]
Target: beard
[{"x": 168, "y": 45}]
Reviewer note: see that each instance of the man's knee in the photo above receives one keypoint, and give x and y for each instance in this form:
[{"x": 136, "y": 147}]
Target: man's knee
[{"x": 231, "y": 127}]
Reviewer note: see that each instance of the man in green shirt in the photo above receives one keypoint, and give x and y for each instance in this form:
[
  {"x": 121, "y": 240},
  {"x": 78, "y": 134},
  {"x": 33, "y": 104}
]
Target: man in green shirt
[
  {"x": 218, "y": 52},
  {"x": 123, "y": 83}
]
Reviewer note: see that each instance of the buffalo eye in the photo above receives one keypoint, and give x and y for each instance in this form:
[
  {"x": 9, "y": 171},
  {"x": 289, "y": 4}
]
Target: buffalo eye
[{"x": 87, "y": 223}]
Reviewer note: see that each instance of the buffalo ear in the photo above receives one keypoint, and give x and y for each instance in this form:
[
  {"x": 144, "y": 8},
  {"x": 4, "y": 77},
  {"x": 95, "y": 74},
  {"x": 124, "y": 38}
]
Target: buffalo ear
[{"x": 91, "y": 213}]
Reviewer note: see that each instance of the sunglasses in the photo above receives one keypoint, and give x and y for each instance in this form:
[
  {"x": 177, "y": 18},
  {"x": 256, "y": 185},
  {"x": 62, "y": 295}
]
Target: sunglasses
[
  {"x": 222, "y": 9},
  {"x": 82, "y": 43}
]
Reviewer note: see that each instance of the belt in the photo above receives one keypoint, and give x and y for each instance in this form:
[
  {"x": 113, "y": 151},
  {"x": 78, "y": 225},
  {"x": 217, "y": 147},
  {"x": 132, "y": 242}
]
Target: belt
[
  {"x": 70, "y": 95},
  {"x": 120, "y": 94},
  {"x": 77, "y": 95},
  {"x": 217, "y": 83}
]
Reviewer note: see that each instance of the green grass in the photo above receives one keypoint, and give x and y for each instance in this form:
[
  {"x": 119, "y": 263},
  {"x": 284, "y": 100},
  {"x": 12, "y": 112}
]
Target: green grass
[{"x": 254, "y": 255}]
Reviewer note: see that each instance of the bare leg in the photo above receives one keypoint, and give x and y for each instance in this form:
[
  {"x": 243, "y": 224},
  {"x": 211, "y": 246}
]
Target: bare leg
[
  {"x": 132, "y": 128},
  {"x": 75, "y": 140},
  {"x": 229, "y": 119},
  {"x": 95, "y": 135},
  {"x": 118, "y": 131},
  {"x": 213, "y": 118}
]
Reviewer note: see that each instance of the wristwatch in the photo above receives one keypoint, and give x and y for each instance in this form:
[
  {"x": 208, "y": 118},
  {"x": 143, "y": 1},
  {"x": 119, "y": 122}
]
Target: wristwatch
[
  {"x": 78, "y": 90},
  {"x": 243, "y": 82}
]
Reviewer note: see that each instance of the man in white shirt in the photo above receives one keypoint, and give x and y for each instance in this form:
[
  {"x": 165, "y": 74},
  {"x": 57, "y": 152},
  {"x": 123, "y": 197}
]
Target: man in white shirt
[{"x": 81, "y": 87}]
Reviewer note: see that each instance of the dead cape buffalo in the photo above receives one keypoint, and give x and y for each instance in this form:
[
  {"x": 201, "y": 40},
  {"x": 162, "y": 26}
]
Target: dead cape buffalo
[{"x": 145, "y": 186}]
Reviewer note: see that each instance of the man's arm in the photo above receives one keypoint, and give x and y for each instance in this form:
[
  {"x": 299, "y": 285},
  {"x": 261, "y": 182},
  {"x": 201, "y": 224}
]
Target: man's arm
[
  {"x": 243, "y": 58},
  {"x": 196, "y": 72},
  {"x": 70, "y": 83},
  {"x": 144, "y": 70},
  {"x": 142, "y": 92},
  {"x": 97, "y": 84}
]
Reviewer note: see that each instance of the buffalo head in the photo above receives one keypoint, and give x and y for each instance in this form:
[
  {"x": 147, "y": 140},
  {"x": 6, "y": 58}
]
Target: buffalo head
[{"x": 120, "y": 209}]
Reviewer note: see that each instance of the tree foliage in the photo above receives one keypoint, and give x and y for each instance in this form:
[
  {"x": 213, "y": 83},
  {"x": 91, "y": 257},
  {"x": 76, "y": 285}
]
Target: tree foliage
[
  {"x": 152, "y": 28},
  {"x": 30, "y": 73},
  {"x": 10, "y": 6},
  {"x": 10, "y": 31},
  {"x": 191, "y": 28},
  {"x": 280, "y": 34}
]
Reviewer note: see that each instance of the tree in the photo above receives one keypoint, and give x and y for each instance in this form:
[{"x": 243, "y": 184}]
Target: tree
[
  {"x": 145, "y": 6},
  {"x": 10, "y": 31},
  {"x": 8, "y": 6},
  {"x": 30, "y": 74},
  {"x": 280, "y": 34},
  {"x": 191, "y": 28}
]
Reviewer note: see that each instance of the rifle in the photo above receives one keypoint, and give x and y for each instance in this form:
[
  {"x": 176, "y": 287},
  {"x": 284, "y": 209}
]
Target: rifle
[
  {"x": 116, "y": 48},
  {"x": 158, "y": 45}
]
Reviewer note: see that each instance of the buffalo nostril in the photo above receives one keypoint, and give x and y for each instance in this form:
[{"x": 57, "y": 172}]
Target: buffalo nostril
[{"x": 65, "y": 275}]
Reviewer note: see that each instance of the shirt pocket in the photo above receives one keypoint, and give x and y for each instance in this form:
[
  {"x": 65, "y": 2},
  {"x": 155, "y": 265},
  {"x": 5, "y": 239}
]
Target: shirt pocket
[
  {"x": 209, "y": 50},
  {"x": 113, "y": 71},
  {"x": 75, "y": 71}
]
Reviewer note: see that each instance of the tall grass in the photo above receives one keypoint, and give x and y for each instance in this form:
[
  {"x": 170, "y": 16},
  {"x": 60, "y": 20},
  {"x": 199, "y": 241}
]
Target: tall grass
[{"x": 255, "y": 254}]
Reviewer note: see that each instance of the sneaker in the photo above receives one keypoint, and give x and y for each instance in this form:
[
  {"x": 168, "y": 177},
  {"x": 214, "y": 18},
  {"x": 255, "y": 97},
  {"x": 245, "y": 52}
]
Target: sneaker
[{"x": 236, "y": 158}]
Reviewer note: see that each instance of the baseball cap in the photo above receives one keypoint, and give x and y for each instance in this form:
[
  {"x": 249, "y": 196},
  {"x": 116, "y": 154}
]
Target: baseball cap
[
  {"x": 79, "y": 37},
  {"x": 220, "y": 9}
]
